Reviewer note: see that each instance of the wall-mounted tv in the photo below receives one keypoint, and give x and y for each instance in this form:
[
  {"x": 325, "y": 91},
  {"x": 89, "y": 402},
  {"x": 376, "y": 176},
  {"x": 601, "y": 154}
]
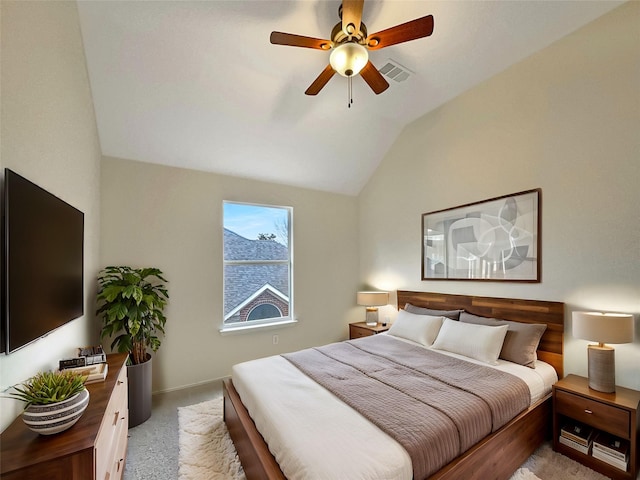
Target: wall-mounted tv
[{"x": 43, "y": 255}]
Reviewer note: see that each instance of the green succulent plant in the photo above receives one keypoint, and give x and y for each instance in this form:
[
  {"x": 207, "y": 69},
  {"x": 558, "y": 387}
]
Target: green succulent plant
[{"x": 49, "y": 387}]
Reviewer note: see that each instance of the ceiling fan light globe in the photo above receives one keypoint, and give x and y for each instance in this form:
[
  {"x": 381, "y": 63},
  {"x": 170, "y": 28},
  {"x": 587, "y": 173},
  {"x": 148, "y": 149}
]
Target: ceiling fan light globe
[{"x": 349, "y": 58}]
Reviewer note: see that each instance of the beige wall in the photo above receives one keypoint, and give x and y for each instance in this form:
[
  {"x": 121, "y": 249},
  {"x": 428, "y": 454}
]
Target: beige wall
[
  {"x": 49, "y": 136},
  {"x": 171, "y": 218},
  {"x": 566, "y": 120}
]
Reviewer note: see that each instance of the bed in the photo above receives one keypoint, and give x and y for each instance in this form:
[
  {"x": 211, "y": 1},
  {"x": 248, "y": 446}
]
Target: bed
[{"x": 496, "y": 455}]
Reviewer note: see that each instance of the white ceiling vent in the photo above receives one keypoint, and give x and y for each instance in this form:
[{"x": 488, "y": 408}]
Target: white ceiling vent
[{"x": 395, "y": 71}]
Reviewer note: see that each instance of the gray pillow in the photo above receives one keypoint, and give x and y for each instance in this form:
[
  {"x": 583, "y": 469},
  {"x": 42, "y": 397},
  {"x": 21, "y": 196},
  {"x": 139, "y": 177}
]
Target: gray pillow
[
  {"x": 520, "y": 343},
  {"x": 452, "y": 314}
]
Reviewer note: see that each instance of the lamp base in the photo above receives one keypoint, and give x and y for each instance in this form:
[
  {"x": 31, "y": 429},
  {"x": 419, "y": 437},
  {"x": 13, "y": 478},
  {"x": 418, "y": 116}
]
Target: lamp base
[
  {"x": 602, "y": 368},
  {"x": 372, "y": 316}
]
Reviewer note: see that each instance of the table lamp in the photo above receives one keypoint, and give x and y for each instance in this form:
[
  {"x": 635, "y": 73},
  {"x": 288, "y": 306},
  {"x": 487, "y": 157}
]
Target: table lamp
[
  {"x": 372, "y": 300},
  {"x": 602, "y": 328}
]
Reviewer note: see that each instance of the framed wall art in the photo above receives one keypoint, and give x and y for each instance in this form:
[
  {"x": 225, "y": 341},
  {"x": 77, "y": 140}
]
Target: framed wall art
[{"x": 493, "y": 240}]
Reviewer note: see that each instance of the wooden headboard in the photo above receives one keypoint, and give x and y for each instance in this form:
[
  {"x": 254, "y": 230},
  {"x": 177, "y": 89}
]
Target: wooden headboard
[{"x": 526, "y": 311}]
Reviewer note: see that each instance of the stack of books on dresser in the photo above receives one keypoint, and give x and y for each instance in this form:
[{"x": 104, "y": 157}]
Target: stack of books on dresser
[
  {"x": 577, "y": 436},
  {"x": 94, "y": 373},
  {"x": 612, "y": 450},
  {"x": 91, "y": 362}
]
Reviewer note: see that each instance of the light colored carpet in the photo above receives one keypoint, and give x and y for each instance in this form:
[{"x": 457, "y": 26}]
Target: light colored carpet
[{"x": 207, "y": 452}]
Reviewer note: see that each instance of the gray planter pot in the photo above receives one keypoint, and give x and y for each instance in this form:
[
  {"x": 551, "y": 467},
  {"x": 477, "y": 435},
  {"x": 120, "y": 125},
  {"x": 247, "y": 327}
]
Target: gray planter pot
[{"x": 139, "y": 378}]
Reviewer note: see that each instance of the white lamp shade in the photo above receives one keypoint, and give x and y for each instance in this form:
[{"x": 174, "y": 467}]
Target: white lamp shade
[
  {"x": 603, "y": 327},
  {"x": 348, "y": 59},
  {"x": 373, "y": 299}
]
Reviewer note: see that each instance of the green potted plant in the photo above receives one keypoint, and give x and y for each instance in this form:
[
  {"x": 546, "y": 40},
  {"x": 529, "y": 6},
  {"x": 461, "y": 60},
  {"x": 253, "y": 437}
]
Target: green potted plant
[
  {"x": 54, "y": 401},
  {"x": 131, "y": 302}
]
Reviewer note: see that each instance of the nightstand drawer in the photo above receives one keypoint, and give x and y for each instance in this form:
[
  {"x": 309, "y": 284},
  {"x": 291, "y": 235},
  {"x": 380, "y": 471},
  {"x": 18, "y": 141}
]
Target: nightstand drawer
[
  {"x": 600, "y": 415},
  {"x": 358, "y": 332}
]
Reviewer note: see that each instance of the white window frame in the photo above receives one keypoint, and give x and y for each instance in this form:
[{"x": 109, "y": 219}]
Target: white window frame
[{"x": 252, "y": 325}]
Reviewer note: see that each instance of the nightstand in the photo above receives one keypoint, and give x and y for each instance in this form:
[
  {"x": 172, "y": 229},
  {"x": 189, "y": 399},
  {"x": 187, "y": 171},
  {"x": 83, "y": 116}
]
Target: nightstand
[
  {"x": 615, "y": 413},
  {"x": 361, "y": 329}
]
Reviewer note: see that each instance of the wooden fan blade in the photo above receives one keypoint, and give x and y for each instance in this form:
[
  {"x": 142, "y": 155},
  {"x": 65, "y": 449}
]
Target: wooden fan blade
[
  {"x": 321, "y": 81},
  {"x": 351, "y": 15},
  {"x": 374, "y": 78},
  {"x": 418, "y": 28},
  {"x": 280, "y": 38}
]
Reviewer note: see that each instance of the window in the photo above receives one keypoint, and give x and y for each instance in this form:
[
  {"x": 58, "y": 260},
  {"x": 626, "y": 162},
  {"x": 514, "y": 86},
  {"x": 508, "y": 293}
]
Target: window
[
  {"x": 266, "y": 310},
  {"x": 257, "y": 265}
]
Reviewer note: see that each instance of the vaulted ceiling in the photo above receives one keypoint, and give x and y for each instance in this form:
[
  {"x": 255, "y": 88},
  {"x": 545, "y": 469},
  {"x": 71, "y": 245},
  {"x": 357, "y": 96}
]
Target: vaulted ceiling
[{"x": 196, "y": 84}]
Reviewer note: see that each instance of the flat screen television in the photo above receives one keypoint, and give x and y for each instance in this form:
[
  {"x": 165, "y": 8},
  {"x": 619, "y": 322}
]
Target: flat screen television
[{"x": 43, "y": 255}]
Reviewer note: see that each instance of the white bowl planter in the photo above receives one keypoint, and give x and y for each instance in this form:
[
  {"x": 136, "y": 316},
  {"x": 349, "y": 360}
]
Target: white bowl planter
[{"x": 56, "y": 417}]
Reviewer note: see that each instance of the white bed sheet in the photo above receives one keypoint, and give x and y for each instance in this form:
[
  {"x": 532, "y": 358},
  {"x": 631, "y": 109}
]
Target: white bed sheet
[{"x": 314, "y": 435}]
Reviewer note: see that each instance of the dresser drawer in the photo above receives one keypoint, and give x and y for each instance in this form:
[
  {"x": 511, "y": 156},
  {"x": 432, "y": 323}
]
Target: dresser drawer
[
  {"x": 113, "y": 427},
  {"x": 358, "y": 332},
  {"x": 118, "y": 459},
  {"x": 596, "y": 414}
]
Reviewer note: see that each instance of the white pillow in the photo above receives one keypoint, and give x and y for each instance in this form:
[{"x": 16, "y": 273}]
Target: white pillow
[
  {"x": 481, "y": 342},
  {"x": 421, "y": 329}
]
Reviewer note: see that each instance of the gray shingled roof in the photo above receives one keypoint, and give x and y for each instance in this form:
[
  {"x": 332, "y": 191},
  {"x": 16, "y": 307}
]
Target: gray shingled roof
[
  {"x": 242, "y": 281},
  {"x": 237, "y": 247}
]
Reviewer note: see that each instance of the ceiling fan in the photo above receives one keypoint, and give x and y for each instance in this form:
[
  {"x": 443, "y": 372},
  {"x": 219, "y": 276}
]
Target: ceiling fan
[{"x": 350, "y": 43}]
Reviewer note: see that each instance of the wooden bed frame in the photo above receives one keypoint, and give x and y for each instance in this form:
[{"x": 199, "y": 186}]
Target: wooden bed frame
[{"x": 495, "y": 457}]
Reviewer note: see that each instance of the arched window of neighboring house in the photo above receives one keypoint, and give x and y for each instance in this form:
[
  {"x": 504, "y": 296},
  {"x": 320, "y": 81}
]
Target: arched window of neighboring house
[{"x": 264, "y": 310}]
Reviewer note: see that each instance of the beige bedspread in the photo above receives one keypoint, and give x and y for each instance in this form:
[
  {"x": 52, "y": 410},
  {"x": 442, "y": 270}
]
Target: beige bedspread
[{"x": 434, "y": 405}]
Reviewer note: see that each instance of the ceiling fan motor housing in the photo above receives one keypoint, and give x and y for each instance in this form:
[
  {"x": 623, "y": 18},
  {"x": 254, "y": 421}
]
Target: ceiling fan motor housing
[{"x": 338, "y": 35}]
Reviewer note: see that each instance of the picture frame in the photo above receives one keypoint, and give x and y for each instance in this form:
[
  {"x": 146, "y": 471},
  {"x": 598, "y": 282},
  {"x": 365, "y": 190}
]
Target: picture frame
[{"x": 492, "y": 240}]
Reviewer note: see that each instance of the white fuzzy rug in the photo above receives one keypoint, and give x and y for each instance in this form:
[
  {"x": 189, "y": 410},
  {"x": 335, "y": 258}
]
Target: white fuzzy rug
[
  {"x": 545, "y": 464},
  {"x": 206, "y": 450},
  {"x": 207, "y": 453}
]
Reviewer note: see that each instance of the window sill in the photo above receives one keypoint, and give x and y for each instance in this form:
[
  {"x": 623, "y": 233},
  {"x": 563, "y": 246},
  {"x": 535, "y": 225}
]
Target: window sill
[{"x": 227, "y": 330}]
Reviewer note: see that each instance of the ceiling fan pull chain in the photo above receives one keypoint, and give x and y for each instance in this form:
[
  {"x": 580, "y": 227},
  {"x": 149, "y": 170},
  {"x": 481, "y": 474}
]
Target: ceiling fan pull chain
[{"x": 349, "y": 91}]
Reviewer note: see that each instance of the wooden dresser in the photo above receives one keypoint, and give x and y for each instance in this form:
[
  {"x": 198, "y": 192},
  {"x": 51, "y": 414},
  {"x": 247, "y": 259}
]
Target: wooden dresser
[{"x": 94, "y": 448}]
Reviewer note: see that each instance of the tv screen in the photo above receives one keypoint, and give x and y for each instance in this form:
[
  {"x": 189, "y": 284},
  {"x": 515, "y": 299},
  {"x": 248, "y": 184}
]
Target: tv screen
[{"x": 43, "y": 262}]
